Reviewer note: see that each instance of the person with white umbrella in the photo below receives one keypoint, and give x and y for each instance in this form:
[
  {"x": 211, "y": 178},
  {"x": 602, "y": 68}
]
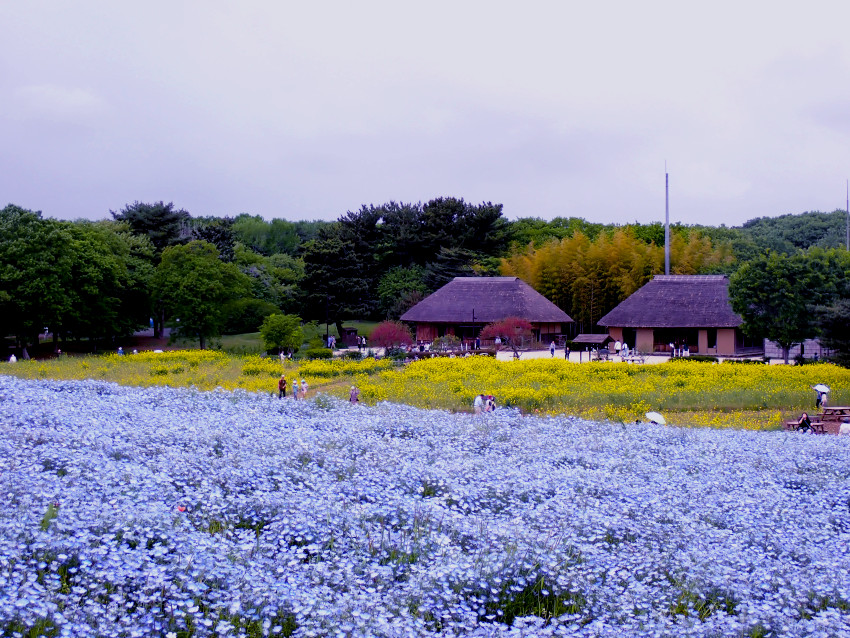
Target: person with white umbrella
[
  {"x": 656, "y": 418},
  {"x": 823, "y": 391}
]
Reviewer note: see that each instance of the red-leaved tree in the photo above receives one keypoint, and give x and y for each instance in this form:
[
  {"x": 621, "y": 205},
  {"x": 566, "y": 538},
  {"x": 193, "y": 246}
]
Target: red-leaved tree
[
  {"x": 514, "y": 332},
  {"x": 390, "y": 335}
]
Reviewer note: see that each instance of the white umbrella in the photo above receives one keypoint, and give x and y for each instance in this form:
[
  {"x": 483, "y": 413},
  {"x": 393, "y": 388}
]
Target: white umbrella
[
  {"x": 655, "y": 417},
  {"x": 820, "y": 387}
]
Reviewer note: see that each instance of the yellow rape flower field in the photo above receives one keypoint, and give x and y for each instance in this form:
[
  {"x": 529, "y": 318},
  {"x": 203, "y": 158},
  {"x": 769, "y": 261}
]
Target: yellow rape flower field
[{"x": 686, "y": 392}]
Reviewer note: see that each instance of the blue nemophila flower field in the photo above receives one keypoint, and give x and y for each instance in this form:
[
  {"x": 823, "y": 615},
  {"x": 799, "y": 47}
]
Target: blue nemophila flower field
[{"x": 162, "y": 512}]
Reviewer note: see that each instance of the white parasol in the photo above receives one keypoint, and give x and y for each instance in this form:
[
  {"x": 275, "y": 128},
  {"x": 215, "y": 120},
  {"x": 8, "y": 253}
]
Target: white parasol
[
  {"x": 820, "y": 387},
  {"x": 656, "y": 418}
]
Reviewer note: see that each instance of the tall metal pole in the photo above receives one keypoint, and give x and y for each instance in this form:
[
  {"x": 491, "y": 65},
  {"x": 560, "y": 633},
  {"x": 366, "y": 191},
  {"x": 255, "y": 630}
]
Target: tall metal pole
[{"x": 666, "y": 221}]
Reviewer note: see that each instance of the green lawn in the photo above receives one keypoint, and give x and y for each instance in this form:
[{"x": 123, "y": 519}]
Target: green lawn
[{"x": 252, "y": 343}]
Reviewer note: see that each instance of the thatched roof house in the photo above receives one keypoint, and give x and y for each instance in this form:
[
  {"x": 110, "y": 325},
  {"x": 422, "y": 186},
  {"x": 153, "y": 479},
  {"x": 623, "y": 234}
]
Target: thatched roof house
[
  {"x": 691, "y": 311},
  {"x": 466, "y": 304}
]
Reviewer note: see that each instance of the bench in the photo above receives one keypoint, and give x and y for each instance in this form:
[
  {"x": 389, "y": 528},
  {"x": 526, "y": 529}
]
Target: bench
[{"x": 817, "y": 426}]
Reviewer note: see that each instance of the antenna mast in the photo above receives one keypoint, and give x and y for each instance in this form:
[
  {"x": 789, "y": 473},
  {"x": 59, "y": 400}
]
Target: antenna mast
[{"x": 666, "y": 221}]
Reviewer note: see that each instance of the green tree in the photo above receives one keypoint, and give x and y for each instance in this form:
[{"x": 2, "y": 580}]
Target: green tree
[
  {"x": 448, "y": 263},
  {"x": 834, "y": 325},
  {"x": 163, "y": 225},
  {"x": 112, "y": 274},
  {"x": 275, "y": 279},
  {"x": 535, "y": 232},
  {"x": 36, "y": 274},
  {"x": 346, "y": 262},
  {"x": 790, "y": 233},
  {"x": 246, "y": 315},
  {"x": 452, "y": 223},
  {"x": 194, "y": 285},
  {"x": 337, "y": 279},
  {"x": 218, "y": 231},
  {"x": 776, "y": 294},
  {"x": 282, "y": 332},
  {"x": 399, "y": 287},
  {"x": 81, "y": 279},
  {"x": 267, "y": 238}
]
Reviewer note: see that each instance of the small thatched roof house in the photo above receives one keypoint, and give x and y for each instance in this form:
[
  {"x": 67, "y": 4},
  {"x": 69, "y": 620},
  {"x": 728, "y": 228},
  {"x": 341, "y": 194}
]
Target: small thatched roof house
[
  {"x": 466, "y": 304},
  {"x": 690, "y": 311}
]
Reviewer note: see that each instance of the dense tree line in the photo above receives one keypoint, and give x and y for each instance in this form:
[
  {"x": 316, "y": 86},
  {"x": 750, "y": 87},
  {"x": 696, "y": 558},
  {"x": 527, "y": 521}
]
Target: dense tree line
[
  {"x": 103, "y": 280},
  {"x": 378, "y": 261},
  {"x": 81, "y": 278}
]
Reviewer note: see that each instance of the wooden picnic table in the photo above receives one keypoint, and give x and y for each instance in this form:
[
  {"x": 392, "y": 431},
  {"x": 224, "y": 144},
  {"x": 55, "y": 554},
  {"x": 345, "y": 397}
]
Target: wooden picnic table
[{"x": 834, "y": 413}]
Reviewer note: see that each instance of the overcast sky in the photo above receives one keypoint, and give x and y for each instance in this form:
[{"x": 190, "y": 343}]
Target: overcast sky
[{"x": 305, "y": 110}]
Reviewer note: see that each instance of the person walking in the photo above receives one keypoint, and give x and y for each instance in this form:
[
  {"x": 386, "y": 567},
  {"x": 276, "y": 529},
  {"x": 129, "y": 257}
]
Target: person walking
[
  {"x": 303, "y": 388},
  {"x": 566, "y": 353},
  {"x": 822, "y": 393},
  {"x": 281, "y": 387},
  {"x": 552, "y": 349}
]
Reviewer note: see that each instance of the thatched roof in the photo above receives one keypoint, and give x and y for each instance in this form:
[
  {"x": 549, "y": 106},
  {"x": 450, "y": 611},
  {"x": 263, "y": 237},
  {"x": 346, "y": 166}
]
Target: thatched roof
[
  {"x": 491, "y": 298},
  {"x": 677, "y": 301}
]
